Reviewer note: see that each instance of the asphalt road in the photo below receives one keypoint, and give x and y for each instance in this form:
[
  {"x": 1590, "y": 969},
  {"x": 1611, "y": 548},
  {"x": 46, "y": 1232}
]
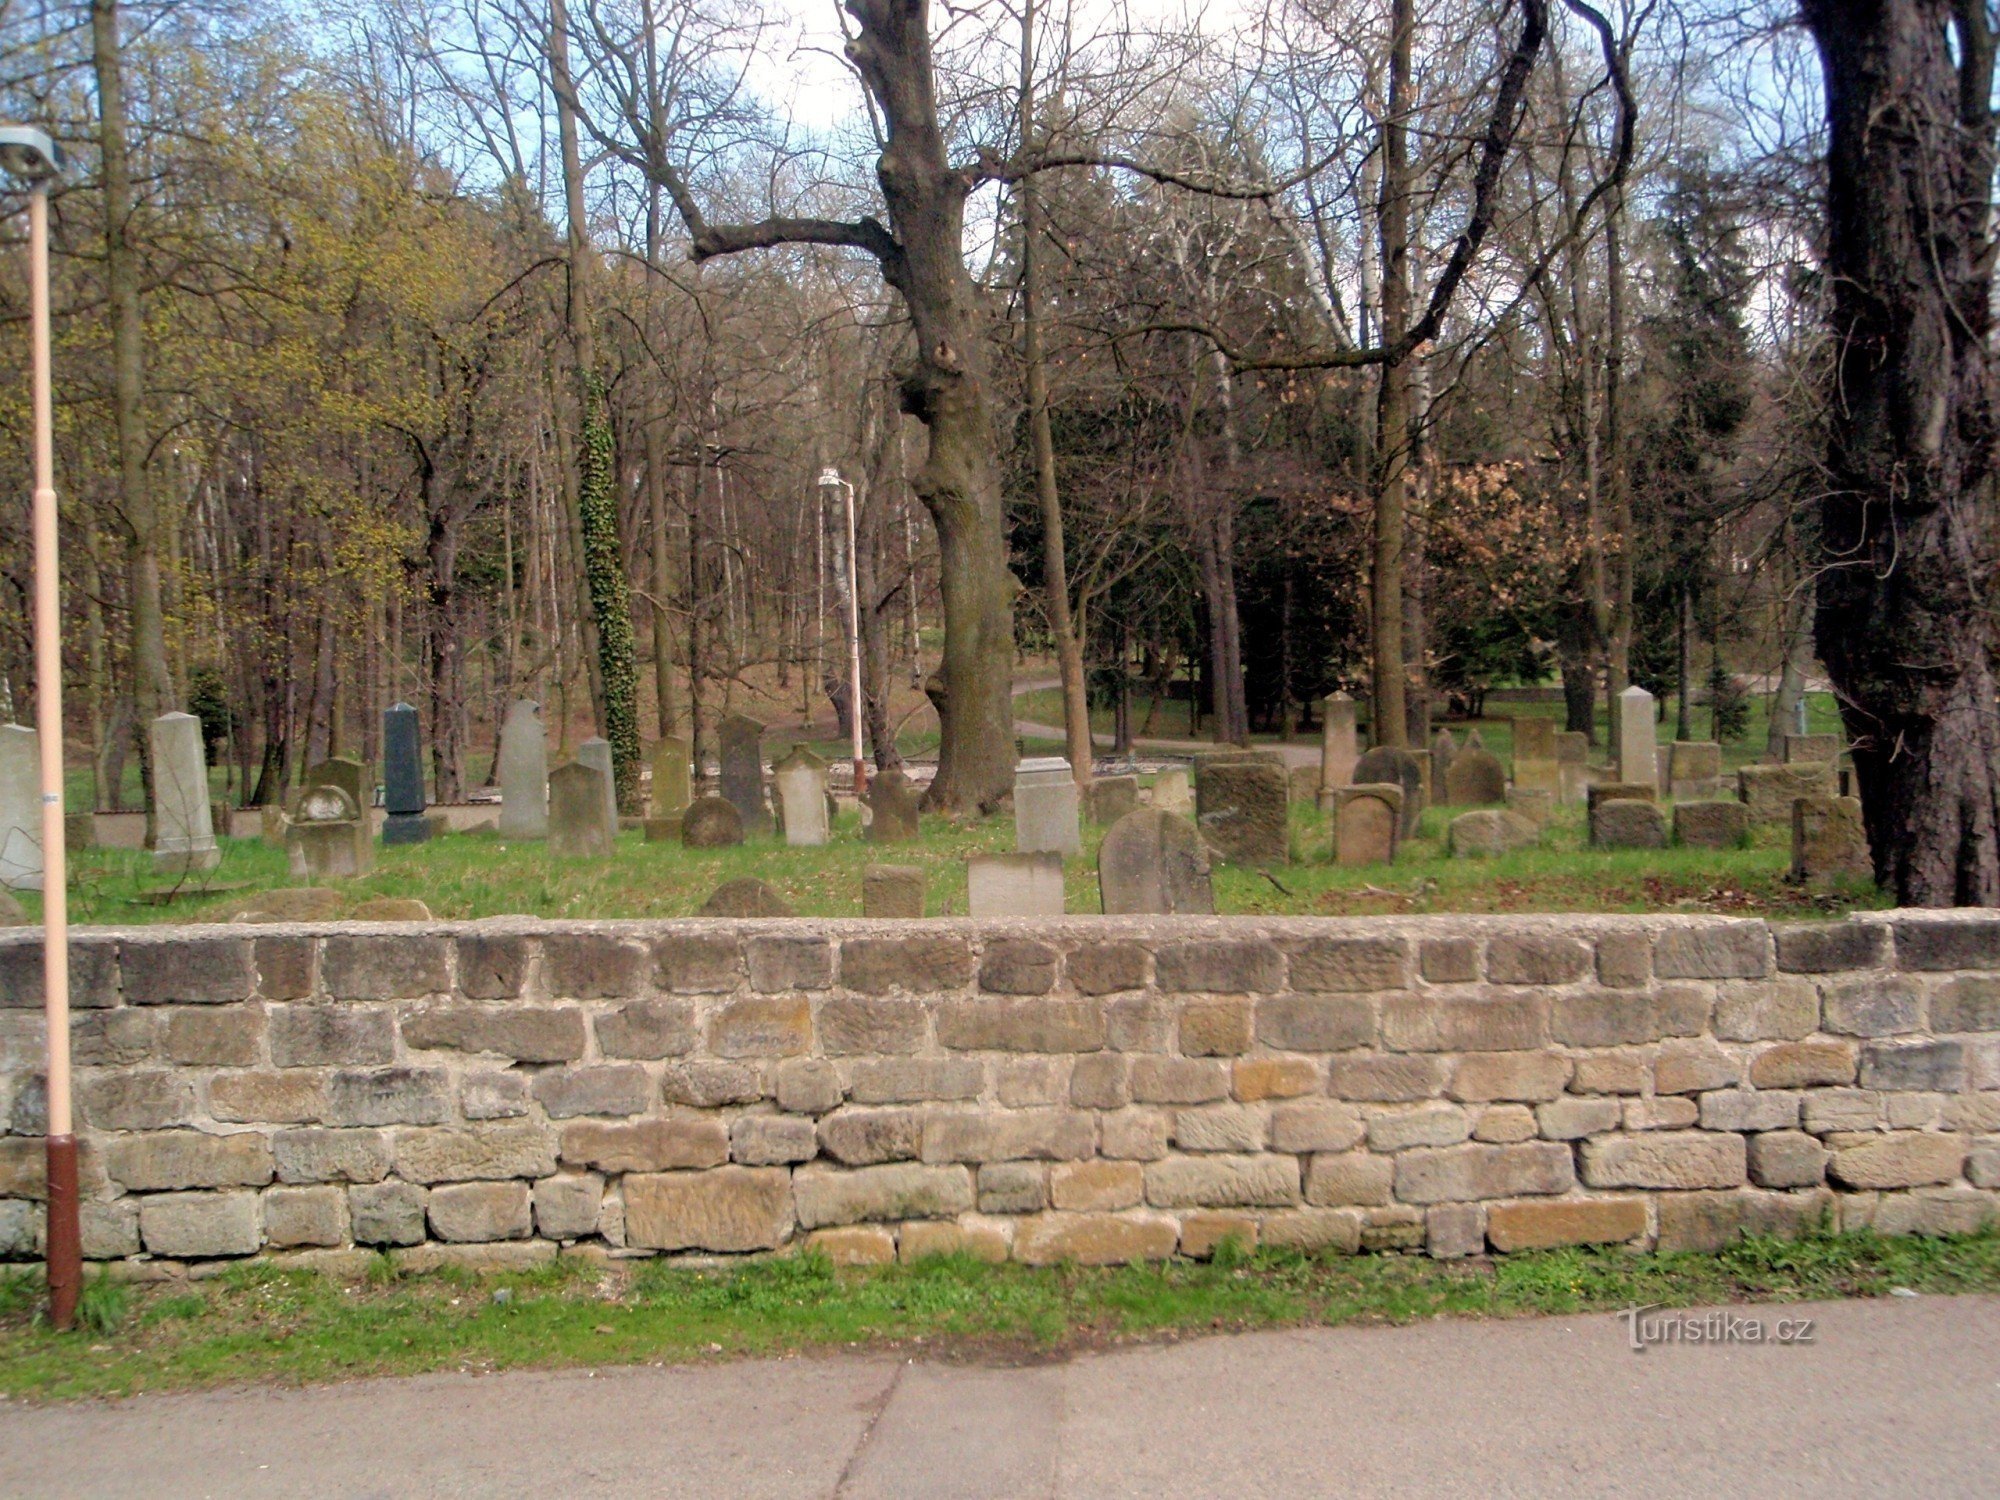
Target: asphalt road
[{"x": 1894, "y": 1397}]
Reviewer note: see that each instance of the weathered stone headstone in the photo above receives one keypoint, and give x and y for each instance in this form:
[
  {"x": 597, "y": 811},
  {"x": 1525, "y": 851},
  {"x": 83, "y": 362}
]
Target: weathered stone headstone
[
  {"x": 892, "y": 891},
  {"x": 1536, "y": 768},
  {"x": 1025, "y": 884},
  {"x": 1476, "y": 779},
  {"x": 1636, "y": 738},
  {"x": 524, "y": 773},
  {"x": 711, "y": 822},
  {"x": 1242, "y": 808},
  {"x": 581, "y": 823},
  {"x": 1443, "y": 750},
  {"x": 1710, "y": 825},
  {"x": 1386, "y": 763},
  {"x": 1045, "y": 807},
  {"x": 1111, "y": 797},
  {"x": 801, "y": 779},
  {"x": 1152, "y": 862},
  {"x": 1338, "y": 747},
  {"x": 1367, "y": 823},
  {"x": 1617, "y": 791},
  {"x": 290, "y": 904},
  {"x": 79, "y": 830},
  {"x": 1572, "y": 766},
  {"x": 1798, "y": 748},
  {"x": 1829, "y": 842},
  {"x": 390, "y": 909},
  {"x": 745, "y": 897},
  {"x": 402, "y": 778},
  {"x": 668, "y": 795},
  {"x": 1694, "y": 770},
  {"x": 1490, "y": 831},
  {"x": 595, "y": 752},
  {"x": 1302, "y": 784},
  {"x": 743, "y": 771},
  {"x": 1172, "y": 791},
  {"x": 892, "y": 809},
  {"x": 185, "y": 839},
  {"x": 323, "y": 838},
  {"x": 1535, "y": 804},
  {"x": 352, "y": 775},
  {"x": 20, "y": 808},
  {"x": 1769, "y": 791},
  {"x": 1627, "y": 823}
]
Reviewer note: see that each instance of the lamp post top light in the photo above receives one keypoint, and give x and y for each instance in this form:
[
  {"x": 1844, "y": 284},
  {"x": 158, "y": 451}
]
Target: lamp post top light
[
  {"x": 829, "y": 478},
  {"x": 29, "y": 155}
]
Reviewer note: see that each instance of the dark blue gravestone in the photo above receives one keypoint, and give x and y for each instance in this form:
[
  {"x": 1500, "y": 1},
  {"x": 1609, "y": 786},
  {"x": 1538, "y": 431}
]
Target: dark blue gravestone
[{"x": 403, "y": 778}]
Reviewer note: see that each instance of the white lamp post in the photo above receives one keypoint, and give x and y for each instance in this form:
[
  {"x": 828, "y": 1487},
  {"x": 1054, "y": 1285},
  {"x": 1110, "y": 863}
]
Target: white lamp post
[
  {"x": 32, "y": 160},
  {"x": 829, "y": 479}
]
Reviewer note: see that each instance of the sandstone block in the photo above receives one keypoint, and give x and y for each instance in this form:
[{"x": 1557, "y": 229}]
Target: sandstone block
[
  {"x": 491, "y": 966},
  {"x": 1448, "y": 960},
  {"x": 1902, "y": 1159},
  {"x": 672, "y": 1142},
  {"x": 566, "y": 1207},
  {"x": 473, "y": 1212},
  {"x": 306, "y": 1036},
  {"x": 901, "y": 1190},
  {"x": 772, "y": 1140},
  {"x": 789, "y": 963},
  {"x": 1661, "y": 1112},
  {"x": 1227, "y": 968},
  {"x": 706, "y": 1084},
  {"x": 186, "y": 971},
  {"x": 136, "y": 1099},
  {"x": 1315, "y": 1022},
  {"x": 1694, "y": 1067},
  {"x": 1392, "y": 1229},
  {"x": 1537, "y": 959},
  {"x": 1133, "y": 1134},
  {"x": 862, "y": 1137},
  {"x": 1798, "y": 1065},
  {"x": 1505, "y": 1124},
  {"x": 974, "y": 1135},
  {"x": 1101, "y": 1080},
  {"x": 110, "y": 1231},
  {"x": 919, "y": 965},
  {"x": 1786, "y": 1159},
  {"x": 1749, "y": 1109},
  {"x": 1713, "y": 950},
  {"x": 1017, "y": 966},
  {"x": 710, "y": 963},
  {"x": 899, "y": 1080},
  {"x": 850, "y": 1025},
  {"x": 1204, "y": 1231},
  {"x": 1829, "y": 948},
  {"x": 1612, "y": 1073},
  {"x": 1530, "y": 1076},
  {"x": 1023, "y": 1025},
  {"x": 1256, "y": 1078},
  {"x": 1570, "y": 1221},
  {"x": 1948, "y": 943},
  {"x": 808, "y": 1086},
  {"x": 593, "y": 966},
  {"x": 1574, "y": 1119},
  {"x": 1624, "y": 960},
  {"x": 1472, "y": 1172},
  {"x": 1314, "y": 1230},
  {"x": 728, "y": 1209},
  {"x": 1215, "y": 1028},
  {"x": 387, "y": 1213},
  {"x": 1338, "y": 1178},
  {"x": 1094, "y": 1239},
  {"x": 1828, "y": 1110},
  {"x": 295, "y": 1216},
  {"x": 304, "y": 1156},
  {"x": 1179, "y": 1080},
  {"x": 648, "y": 1029},
  {"x": 1221, "y": 1127},
  {"x": 593, "y": 1089},
  {"x": 287, "y": 1097},
  {"x": 382, "y": 967},
  {"x": 761, "y": 1026},
  {"x": 539, "y": 1034},
  {"x": 1774, "y": 1009},
  {"x": 1711, "y": 825},
  {"x": 1665, "y": 1159},
  {"x": 1913, "y": 1065},
  {"x": 1877, "y": 1005},
  {"x": 1500, "y": 1021},
  {"x": 1934, "y": 1211},
  {"x": 1709, "y": 1222},
  {"x": 1392, "y": 1130},
  {"x": 1385, "y": 1079},
  {"x": 1968, "y": 1003},
  {"x": 1348, "y": 964},
  {"x": 1223, "y": 1181},
  {"x": 493, "y": 1095},
  {"x": 487, "y": 1152},
  {"x": 1315, "y": 1125},
  {"x": 1614, "y": 1018},
  {"x": 188, "y": 1159},
  {"x": 1013, "y": 1187},
  {"x": 201, "y": 1226},
  {"x": 1453, "y": 1231},
  {"x": 1139, "y": 1023},
  {"x": 854, "y": 1245},
  {"x": 1108, "y": 968},
  {"x": 224, "y": 1038},
  {"x": 1096, "y": 1185}
]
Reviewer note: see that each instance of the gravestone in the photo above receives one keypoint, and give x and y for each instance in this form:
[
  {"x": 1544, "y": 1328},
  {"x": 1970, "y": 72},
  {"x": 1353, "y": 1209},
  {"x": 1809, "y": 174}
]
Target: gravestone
[
  {"x": 1609, "y": 791},
  {"x": 1534, "y": 804},
  {"x": 1242, "y": 808},
  {"x": 272, "y": 825},
  {"x": 351, "y": 774},
  {"x": 801, "y": 779},
  {"x": 1490, "y": 831},
  {"x": 1367, "y": 823},
  {"x": 1769, "y": 791},
  {"x": 1811, "y": 747},
  {"x": 1476, "y": 779},
  {"x": 711, "y": 822},
  {"x": 892, "y": 891},
  {"x": 581, "y": 822},
  {"x": 668, "y": 795},
  {"x": 402, "y": 778},
  {"x": 1153, "y": 863},
  {"x": 1045, "y": 807},
  {"x": 1111, "y": 798},
  {"x": 892, "y": 809},
  {"x": 1635, "y": 737},
  {"x": 1694, "y": 770},
  {"x": 524, "y": 773},
  {"x": 1536, "y": 768},
  {"x": 1711, "y": 825},
  {"x": 1024, "y": 884},
  {"x": 1173, "y": 793},
  {"x": 322, "y": 836},
  {"x": 1443, "y": 749},
  {"x": 743, "y": 771},
  {"x": 1338, "y": 747},
  {"x": 595, "y": 752},
  {"x": 1829, "y": 842},
  {"x": 1572, "y": 766},
  {"x": 79, "y": 830},
  {"x": 390, "y": 909},
  {"x": 185, "y": 837},
  {"x": 1627, "y": 823},
  {"x": 1385, "y": 764},
  {"x": 20, "y": 808},
  {"x": 1302, "y": 784},
  {"x": 745, "y": 897}
]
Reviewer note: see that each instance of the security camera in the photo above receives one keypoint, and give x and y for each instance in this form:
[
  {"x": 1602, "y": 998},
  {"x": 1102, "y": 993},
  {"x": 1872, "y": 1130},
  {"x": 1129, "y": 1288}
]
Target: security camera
[{"x": 29, "y": 155}]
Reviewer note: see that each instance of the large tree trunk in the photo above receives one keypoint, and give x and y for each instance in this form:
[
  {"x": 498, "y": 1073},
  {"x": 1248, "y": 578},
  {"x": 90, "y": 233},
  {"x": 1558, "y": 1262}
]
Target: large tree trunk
[
  {"x": 1903, "y": 624},
  {"x": 1392, "y": 407}
]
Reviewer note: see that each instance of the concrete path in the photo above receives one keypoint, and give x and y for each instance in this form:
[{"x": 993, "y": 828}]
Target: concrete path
[{"x": 1899, "y": 1396}]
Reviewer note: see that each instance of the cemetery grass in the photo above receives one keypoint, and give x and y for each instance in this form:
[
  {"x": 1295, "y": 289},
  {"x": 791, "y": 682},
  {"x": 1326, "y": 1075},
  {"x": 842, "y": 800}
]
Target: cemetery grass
[{"x": 261, "y": 1324}]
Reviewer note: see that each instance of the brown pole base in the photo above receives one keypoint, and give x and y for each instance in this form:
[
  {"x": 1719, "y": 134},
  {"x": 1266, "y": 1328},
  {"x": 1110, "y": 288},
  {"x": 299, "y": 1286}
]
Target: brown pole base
[{"x": 65, "y": 1233}]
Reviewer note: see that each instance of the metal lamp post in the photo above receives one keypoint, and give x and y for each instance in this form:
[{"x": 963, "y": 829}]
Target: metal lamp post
[
  {"x": 32, "y": 160},
  {"x": 829, "y": 479}
]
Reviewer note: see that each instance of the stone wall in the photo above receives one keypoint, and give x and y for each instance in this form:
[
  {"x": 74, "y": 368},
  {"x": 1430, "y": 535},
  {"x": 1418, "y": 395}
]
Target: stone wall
[{"x": 1093, "y": 1089}]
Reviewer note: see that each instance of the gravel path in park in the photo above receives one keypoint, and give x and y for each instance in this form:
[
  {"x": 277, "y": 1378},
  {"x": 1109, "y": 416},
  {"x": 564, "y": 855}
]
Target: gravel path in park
[{"x": 1893, "y": 1397}]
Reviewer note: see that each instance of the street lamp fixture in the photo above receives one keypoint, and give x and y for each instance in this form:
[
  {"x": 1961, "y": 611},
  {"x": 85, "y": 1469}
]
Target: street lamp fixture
[
  {"x": 32, "y": 159},
  {"x": 829, "y": 479}
]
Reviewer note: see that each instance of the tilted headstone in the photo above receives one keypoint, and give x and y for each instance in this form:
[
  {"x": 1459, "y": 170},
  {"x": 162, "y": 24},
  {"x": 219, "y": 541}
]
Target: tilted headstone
[
  {"x": 711, "y": 822},
  {"x": 1572, "y": 766},
  {"x": 743, "y": 771},
  {"x": 595, "y": 752},
  {"x": 1536, "y": 768},
  {"x": 1111, "y": 797},
  {"x": 1769, "y": 791},
  {"x": 1442, "y": 750},
  {"x": 1711, "y": 825},
  {"x": 1694, "y": 770},
  {"x": 1045, "y": 807},
  {"x": 892, "y": 809},
  {"x": 1025, "y": 884},
  {"x": 1153, "y": 863},
  {"x": 745, "y": 897},
  {"x": 1338, "y": 747},
  {"x": 402, "y": 778},
  {"x": 801, "y": 779},
  {"x": 1388, "y": 764},
  {"x": 1829, "y": 842},
  {"x": 185, "y": 836},
  {"x": 892, "y": 891},
  {"x": 1476, "y": 779},
  {"x": 323, "y": 836},
  {"x": 1627, "y": 823},
  {"x": 668, "y": 795},
  {"x": 581, "y": 822},
  {"x": 20, "y": 808},
  {"x": 524, "y": 773},
  {"x": 1243, "y": 809},
  {"x": 1367, "y": 823},
  {"x": 1489, "y": 832},
  {"x": 1636, "y": 737},
  {"x": 1172, "y": 792}
]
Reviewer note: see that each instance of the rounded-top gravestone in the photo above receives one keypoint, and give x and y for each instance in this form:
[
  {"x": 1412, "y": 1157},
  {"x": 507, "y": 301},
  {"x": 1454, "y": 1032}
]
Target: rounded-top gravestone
[
  {"x": 1388, "y": 764},
  {"x": 1153, "y": 862},
  {"x": 711, "y": 822},
  {"x": 747, "y": 897},
  {"x": 1475, "y": 779}
]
